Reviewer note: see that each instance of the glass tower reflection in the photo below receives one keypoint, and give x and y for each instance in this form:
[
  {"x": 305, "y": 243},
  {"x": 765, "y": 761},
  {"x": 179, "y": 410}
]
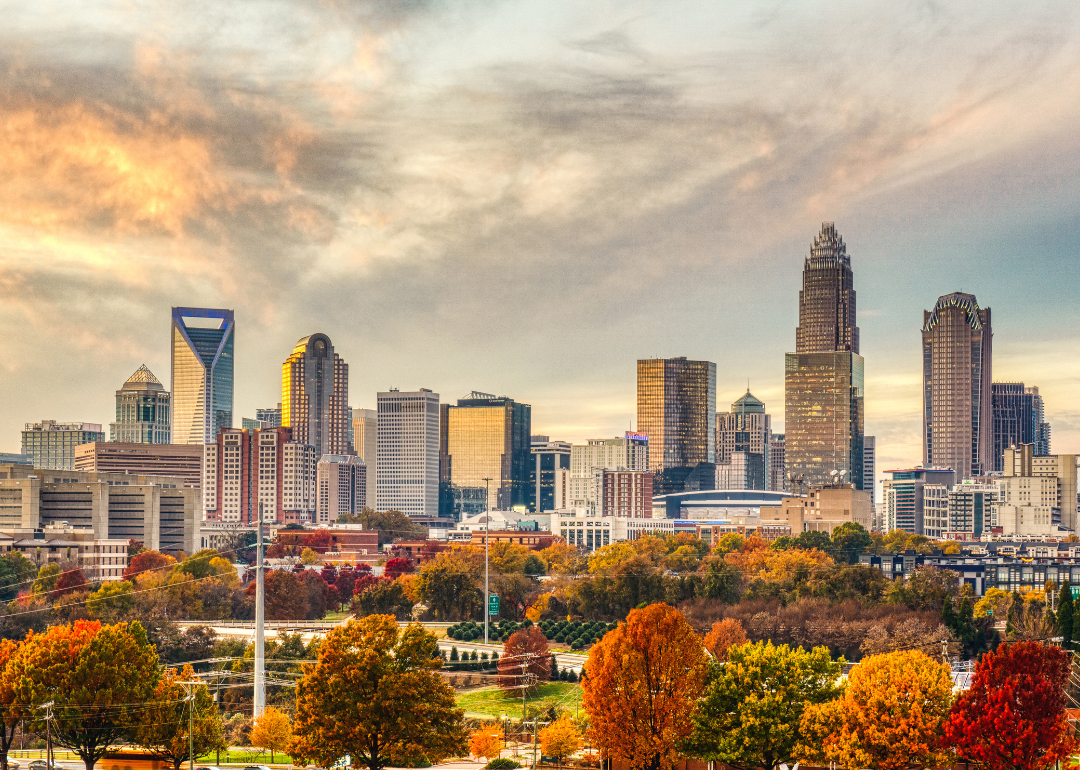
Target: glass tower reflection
[{"x": 202, "y": 373}]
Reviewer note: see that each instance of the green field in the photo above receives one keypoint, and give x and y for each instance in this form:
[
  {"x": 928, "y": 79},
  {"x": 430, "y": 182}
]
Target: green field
[{"x": 490, "y": 702}]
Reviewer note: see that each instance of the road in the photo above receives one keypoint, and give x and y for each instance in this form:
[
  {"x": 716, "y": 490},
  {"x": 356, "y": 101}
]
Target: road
[{"x": 309, "y": 631}]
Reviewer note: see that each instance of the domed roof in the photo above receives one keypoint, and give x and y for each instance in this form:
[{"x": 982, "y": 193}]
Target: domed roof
[
  {"x": 143, "y": 379},
  {"x": 748, "y": 404}
]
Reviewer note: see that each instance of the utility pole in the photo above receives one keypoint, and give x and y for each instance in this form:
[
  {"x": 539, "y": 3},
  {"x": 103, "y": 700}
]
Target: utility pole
[
  {"x": 487, "y": 536},
  {"x": 260, "y": 619},
  {"x": 190, "y": 688},
  {"x": 48, "y": 733}
]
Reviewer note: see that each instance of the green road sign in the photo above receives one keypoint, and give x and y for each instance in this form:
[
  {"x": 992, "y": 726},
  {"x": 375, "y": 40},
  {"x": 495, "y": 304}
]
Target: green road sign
[{"x": 493, "y": 604}]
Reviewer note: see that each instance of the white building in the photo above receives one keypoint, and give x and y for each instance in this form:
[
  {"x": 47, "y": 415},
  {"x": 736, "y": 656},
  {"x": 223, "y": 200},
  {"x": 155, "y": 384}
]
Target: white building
[
  {"x": 1025, "y": 505},
  {"x": 591, "y": 532},
  {"x": 869, "y": 466},
  {"x": 407, "y": 458},
  {"x": 341, "y": 483},
  {"x": 365, "y": 425},
  {"x": 629, "y": 453}
]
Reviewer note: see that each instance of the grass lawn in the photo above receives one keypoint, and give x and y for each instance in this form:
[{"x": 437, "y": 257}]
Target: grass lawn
[
  {"x": 335, "y": 616},
  {"x": 246, "y": 757},
  {"x": 493, "y": 701}
]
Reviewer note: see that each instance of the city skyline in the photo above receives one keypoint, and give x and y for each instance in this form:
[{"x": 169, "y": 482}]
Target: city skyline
[{"x": 629, "y": 181}]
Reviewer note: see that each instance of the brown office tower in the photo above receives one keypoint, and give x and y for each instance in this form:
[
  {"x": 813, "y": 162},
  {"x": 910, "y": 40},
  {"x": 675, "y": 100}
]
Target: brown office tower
[
  {"x": 958, "y": 429},
  {"x": 676, "y": 409},
  {"x": 823, "y": 410},
  {"x": 315, "y": 396}
]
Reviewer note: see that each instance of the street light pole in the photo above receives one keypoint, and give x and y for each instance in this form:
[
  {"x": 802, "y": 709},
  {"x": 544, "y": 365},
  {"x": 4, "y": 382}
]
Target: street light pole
[
  {"x": 260, "y": 619},
  {"x": 487, "y": 536}
]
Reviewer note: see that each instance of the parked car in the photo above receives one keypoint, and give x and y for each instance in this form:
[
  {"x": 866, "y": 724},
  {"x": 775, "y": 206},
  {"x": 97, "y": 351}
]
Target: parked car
[
  {"x": 257, "y": 767},
  {"x": 41, "y": 764},
  {"x": 13, "y": 765}
]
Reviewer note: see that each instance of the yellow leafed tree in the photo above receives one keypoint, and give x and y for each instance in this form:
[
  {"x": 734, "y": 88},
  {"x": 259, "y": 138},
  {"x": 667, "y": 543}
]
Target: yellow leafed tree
[
  {"x": 485, "y": 743},
  {"x": 560, "y": 739},
  {"x": 272, "y": 731}
]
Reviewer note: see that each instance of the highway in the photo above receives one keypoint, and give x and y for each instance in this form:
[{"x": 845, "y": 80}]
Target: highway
[{"x": 310, "y": 629}]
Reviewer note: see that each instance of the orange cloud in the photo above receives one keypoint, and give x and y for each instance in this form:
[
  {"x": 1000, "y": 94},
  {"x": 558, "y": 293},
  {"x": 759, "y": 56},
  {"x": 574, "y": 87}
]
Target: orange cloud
[{"x": 70, "y": 166}]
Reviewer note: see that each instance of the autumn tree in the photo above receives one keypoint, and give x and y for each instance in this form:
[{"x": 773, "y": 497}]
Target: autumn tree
[
  {"x": 890, "y": 717},
  {"x": 11, "y": 710},
  {"x": 1013, "y": 716},
  {"x": 164, "y": 723},
  {"x": 112, "y": 601},
  {"x": 396, "y": 567},
  {"x": 750, "y": 715},
  {"x": 485, "y": 743},
  {"x": 562, "y": 559},
  {"x": 724, "y": 635},
  {"x": 525, "y": 660},
  {"x": 1066, "y": 616},
  {"x": 642, "y": 681},
  {"x": 560, "y": 739},
  {"x": 451, "y": 584},
  {"x": 271, "y": 730},
  {"x": 97, "y": 677},
  {"x": 145, "y": 561},
  {"x": 375, "y": 691}
]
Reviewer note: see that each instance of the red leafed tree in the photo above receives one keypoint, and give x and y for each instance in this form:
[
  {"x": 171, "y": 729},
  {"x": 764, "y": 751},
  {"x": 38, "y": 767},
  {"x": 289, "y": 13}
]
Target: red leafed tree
[
  {"x": 525, "y": 660},
  {"x": 396, "y": 567},
  {"x": 71, "y": 580},
  {"x": 1013, "y": 716},
  {"x": 146, "y": 560}
]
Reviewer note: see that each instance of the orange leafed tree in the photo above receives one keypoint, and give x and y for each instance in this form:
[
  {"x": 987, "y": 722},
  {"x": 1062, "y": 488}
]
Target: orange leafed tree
[
  {"x": 724, "y": 635},
  {"x": 643, "y": 680},
  {"x": 525, "y": 660},
  {"x": 485, "y": 743},
  {"x": 890, "y": 717}
]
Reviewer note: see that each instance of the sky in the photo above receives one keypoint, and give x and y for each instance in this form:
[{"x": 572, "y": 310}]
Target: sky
[{"x": 526, "y": 197}]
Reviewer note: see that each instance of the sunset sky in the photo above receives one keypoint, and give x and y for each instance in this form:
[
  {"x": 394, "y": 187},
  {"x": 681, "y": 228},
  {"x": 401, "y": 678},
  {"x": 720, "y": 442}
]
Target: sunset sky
[{"x": 524, "y": 198}]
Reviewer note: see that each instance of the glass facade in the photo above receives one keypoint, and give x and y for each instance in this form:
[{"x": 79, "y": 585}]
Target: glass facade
[
  {"x": 489, "y": 437},
  {"x": 676, "y": 410},
  {"x": 549, "y": 475},
  {"x": 142, "y": 411},
  {"x": 52, "y": 444},
  {"x": 315, "y": 396},
  {"x": 824, "y": 417},
  {"x": 202, "y": 373}
]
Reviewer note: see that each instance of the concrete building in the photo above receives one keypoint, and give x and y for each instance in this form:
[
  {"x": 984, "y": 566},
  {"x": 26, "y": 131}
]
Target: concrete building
[
  {"x": 970, "y": 510},
  {"x": 341, "y": 487},
  {"x": 365, "y": 423},
  {"x": 180, "y": 460},
  {"x": 869, "y": 458},
  {"x": 718, "y": 504},
  {"x": 588, "y": 533},
  {"x": 823, "y": 509},
  {"x": 315, "y": 396},
  {"x": 489, "y": 437},
  {"x": 52, "y": 444},
  {"x": 746, "y": 429},
  {"x": 1021, "y": 461},
  {"x": 142, "y": 411},
  {"x": 1025, "y": 506},
  {"x": 903, "y": 496},
  {"x": 267, "y": 417},
  {"x": 158, "y": 511},
  {"x": 743, "y": 470},
  {"x": 549, "y": 474},
  {"x": 203, "y": 351},
  {"x": 628, "y": 494},
  {"x": 407, "y": 461},
  {"x": 101, "y": 560},
  {"x": 935, "y": 502},
  {"x": 248, "y": 468},
  {"x": 778, "y": 464},
  {"x": 824, "y": 377},
  {"x": 676, "y": 410},
  {"x": 958, "y": 429},
  {"x": 630, "y": 453},
  {"x": 13, "y": 458}
]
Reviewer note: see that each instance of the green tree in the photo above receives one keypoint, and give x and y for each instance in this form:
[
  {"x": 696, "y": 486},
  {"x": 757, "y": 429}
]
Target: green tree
[
  {"x": 97, "y": 677},
  {"x": 163, "y": 727},
  {"x": 47, "y": 578},
  {"x": 384, "y": 597},
  {"x": 750, "y": 715},
  {"x": 850, "y": 540},
  {"x": 112, "y": 602},
  {"x": 451, "y": 583},
  {"x": 16, "y": 572},
  {"x": 375, "y": 692},
  {"x": 1065, "y": 616},
  {"x": 808, "y": 541}
]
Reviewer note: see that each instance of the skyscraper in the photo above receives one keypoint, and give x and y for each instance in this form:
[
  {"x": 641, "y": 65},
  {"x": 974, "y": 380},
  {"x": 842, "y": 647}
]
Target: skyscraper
[
  {"x": 142, "y": 410},
  {"x": 408, "y": 452},
  {"x": 202, "y": 373},
  {"x": 549, "y": 474},
  {"x": 823, "y": 407},
  {"x": 1015, "y": 419},
  {"x": 747, "y": 429},
  {"x": 315, "y": 396},
  {"x": 365, "y": 444},
  {"x": 869, "y": 473},
  {"x": 958, "y": 429},
  {"x": 1042, "y": 428},
  {"x": 490, "y": 437},
  {"x": 341, "y": 486},
  {"x": 676, "y": 410}
]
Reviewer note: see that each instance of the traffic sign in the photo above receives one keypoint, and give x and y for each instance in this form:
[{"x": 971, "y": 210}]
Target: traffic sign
[{"x": 493, "y": 604}]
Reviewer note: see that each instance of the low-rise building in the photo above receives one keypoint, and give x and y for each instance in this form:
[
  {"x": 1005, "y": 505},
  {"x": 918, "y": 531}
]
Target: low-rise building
[
  {"x": 588, "y": 532},
  {"x": 52, "y": 444},
  {"x": 822, "y": 510},
  {"x": 534, "y": 541},
  {"x": 100, "y": 559},
  {"x": 181, "y": 460}
]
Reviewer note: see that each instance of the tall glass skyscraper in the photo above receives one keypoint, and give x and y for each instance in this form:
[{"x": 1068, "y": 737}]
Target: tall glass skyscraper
[
  {"x": 202, "y": 373},
  {"x": 958, "y": 428},
  {"x": 490, "y": 437},
  {"x": 676, "y": 409},
  {"x": 142, "y": 410},
  {"x": 823, "y": 378},
  {"x": 315, "y": 396}
]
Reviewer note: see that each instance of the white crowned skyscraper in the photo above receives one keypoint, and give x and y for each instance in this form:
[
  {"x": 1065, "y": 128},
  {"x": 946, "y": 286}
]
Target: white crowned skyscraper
[{"x": 202, "y": 373}]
